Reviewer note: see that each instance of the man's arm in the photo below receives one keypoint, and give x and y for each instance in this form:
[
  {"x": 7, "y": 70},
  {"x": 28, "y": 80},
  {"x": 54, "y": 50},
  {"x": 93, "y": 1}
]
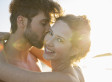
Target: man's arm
[{"x": 11, "y": 73}]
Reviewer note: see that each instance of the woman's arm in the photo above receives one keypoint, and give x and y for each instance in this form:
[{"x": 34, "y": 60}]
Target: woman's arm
[{"x": 11, "y": 73}]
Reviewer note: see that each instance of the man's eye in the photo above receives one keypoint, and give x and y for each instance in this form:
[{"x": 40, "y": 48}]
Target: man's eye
[
  {"x": 50, "y": 33},
  {"x": 60, "y": 40},
  {"x": 44, "y": 23}
]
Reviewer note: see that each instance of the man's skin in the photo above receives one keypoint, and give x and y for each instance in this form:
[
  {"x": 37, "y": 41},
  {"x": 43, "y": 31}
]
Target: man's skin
[
  {"x": 17, "y": 47},
  {"x": 30, "y": 20},
  {"x": 38, "y": 53}
]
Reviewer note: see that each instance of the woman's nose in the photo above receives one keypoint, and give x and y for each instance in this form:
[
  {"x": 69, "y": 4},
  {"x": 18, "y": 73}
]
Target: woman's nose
[{"x": 50, "y": 42}]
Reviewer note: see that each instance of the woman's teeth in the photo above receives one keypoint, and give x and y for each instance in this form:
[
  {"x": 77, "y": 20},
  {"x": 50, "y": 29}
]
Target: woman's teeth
[{"x": 49, "y": 50}]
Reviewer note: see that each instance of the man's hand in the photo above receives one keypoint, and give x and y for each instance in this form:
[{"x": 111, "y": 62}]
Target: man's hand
[{"x": 4, "y": 35}]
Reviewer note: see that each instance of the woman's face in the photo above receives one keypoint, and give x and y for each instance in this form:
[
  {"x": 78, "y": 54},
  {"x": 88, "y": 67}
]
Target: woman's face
[{"x": 57, "y": 42}]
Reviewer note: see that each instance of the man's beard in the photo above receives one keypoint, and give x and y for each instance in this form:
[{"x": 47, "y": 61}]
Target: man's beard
[{"x": 32, "y": 38}]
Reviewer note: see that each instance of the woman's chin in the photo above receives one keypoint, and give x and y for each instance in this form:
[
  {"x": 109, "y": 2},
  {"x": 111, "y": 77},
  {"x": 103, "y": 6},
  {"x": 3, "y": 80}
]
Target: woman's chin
[{"x": 48, "y": 57}]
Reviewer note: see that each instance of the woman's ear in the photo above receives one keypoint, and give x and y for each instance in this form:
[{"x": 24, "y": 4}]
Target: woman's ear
[
  {"x": 21, "y": 22},
  {"x": 74, "y": 51}
]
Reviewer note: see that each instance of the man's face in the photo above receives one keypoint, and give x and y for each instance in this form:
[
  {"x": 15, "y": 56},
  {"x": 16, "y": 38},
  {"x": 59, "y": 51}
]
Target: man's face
[{"x": 37, "y": 29}]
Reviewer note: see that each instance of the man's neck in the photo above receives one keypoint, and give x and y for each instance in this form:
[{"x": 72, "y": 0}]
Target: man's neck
[{"x": 17, "y": 48}]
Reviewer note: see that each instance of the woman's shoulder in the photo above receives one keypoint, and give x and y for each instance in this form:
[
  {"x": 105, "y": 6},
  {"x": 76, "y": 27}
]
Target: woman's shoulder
[{"x": 79, "y": 73}]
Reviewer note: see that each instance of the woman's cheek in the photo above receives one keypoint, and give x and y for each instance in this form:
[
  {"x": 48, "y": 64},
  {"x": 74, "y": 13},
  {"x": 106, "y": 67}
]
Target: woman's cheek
[{"x": 60, "y": 49}]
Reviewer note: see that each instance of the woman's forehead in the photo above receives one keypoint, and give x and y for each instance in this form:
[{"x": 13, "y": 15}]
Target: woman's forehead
[{"x": 60, "y": 28}]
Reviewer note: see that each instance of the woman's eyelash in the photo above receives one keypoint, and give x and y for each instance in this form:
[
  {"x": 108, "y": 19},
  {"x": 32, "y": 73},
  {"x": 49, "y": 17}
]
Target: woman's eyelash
[{"x": 60, "y": 40}]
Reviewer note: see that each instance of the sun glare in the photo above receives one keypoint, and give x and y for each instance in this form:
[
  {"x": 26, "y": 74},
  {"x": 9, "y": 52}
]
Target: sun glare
[
  {"x": 1, "y": 47},
  {"x": 100, "y": 16},
  {"x": 98, "y": 12}
]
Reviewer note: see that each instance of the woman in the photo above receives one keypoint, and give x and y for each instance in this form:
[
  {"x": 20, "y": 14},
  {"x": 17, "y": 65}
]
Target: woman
[{"x": 65, "y": 43}]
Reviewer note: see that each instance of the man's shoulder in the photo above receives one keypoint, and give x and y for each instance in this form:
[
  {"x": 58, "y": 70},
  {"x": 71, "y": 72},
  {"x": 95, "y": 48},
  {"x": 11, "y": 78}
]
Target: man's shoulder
[
  {"x": 2, "y": 81},
  {"x": 2, "y": 56}
]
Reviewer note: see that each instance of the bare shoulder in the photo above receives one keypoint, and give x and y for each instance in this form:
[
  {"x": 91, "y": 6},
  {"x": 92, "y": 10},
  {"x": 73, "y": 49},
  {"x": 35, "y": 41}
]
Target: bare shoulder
[
  {"x": 79, "y": 73},
  {"x": 2, "y": 57}
]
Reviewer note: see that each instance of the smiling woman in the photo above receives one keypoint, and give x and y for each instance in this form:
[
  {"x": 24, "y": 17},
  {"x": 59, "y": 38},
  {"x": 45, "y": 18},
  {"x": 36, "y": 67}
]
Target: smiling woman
[{"x": 67, "y": 42}]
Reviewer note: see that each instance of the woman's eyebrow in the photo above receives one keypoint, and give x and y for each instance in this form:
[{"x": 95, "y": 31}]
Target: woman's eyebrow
[
  {"x": 60, "y": 37},
  {"x": 56, "y": 34}
]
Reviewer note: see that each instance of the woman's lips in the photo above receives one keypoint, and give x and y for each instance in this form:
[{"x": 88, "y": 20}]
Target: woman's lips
[{"x": 48, "y": 51}]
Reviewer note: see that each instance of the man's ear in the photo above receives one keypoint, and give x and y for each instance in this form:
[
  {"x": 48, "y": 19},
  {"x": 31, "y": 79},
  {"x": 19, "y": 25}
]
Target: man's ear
[{"x": 21, "y": 22}]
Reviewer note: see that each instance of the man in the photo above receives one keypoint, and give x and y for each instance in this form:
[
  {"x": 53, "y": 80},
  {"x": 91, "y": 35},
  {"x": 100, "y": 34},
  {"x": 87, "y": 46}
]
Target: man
[
  {"x": 29, "y": 24},
  {"x": 30, "y": 20}
]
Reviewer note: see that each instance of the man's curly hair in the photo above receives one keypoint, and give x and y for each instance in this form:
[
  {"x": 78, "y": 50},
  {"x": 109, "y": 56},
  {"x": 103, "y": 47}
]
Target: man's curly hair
[{"x": 30, "y": 8}]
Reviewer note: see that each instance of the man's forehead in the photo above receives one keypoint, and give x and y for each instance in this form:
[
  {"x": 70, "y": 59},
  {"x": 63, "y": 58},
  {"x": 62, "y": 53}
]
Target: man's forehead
[{"x": 42, "y": 16}]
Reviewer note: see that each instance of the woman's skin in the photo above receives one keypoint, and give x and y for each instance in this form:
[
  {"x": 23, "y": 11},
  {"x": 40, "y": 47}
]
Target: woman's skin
[{"x": 58, "y": 49}]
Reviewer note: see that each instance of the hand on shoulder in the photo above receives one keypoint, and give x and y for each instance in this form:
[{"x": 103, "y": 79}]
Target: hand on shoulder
[{"x": 4, "y": 35}]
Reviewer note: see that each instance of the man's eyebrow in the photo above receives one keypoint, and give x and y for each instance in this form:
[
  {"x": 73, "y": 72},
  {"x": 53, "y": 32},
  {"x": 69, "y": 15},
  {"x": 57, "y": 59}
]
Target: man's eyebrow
[{"x": 46, "y": 19}]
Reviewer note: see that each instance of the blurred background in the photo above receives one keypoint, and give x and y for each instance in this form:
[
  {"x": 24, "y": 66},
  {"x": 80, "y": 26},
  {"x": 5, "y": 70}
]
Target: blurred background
[{"x": 97, "y": 66}]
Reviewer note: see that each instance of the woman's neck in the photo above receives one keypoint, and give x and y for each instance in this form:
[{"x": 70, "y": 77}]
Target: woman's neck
[{"x": 59, "y": 65}]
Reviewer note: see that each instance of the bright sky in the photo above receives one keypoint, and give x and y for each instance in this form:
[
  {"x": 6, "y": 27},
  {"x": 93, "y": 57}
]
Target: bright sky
[
  {"x": 4, "y": 15},
  {"x": 99, "y": 12}
]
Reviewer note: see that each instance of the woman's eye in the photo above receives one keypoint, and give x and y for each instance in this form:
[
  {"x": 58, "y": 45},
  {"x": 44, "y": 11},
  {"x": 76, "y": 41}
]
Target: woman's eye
[{"x": 60, "y": 40}]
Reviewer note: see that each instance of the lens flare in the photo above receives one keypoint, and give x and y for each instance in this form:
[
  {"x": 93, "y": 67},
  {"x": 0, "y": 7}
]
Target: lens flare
[{"x": 1, "y": 47}]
